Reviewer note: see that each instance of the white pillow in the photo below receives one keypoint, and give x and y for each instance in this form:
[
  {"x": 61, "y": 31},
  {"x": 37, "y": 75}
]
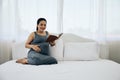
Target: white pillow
[
  {"x": 57, "y": 50},
  {"x": 19, "y": 50},
  {"x": 81, "y": 51}
]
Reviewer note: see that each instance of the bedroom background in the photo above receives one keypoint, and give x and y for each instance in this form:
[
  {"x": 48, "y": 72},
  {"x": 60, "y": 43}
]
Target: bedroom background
[{"x": 95, "y": 19}]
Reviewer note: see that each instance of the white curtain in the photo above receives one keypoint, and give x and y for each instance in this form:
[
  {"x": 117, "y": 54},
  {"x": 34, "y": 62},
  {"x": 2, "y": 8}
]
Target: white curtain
[
  {"x": 113, "y": 19},
  {"x": 86, "y": 18},
  {"x": 18, "y": 18}
]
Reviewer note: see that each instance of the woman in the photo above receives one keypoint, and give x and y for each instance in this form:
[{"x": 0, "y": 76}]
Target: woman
[{"x": 39, "y": 48}]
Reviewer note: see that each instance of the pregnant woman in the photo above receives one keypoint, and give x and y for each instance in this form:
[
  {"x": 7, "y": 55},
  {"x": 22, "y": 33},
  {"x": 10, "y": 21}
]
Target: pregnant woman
[{"x": 39, "y": 48}]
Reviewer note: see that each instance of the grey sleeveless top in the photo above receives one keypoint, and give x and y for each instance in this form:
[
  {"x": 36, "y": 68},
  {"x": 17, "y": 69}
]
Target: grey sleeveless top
[
  {"x": 41, "y": 42},
  {"x": 39, "y": 38}
]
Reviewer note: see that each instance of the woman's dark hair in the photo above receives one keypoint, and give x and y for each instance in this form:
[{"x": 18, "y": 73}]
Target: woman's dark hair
[{"x": 39, "y": 20}]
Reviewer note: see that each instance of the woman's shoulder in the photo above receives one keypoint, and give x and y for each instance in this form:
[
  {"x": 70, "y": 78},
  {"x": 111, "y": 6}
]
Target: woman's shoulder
[
  {"x": 46, "y": 31},
  {"x": 32, "y": 33}
]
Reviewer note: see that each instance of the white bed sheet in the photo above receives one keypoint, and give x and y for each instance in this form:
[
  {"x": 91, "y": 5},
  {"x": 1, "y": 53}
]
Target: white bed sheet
[{"x": 64, "y": 70}]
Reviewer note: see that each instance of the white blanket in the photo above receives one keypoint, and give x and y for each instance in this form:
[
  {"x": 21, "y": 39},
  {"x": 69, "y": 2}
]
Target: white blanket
[{"x": 64, "y": 70}]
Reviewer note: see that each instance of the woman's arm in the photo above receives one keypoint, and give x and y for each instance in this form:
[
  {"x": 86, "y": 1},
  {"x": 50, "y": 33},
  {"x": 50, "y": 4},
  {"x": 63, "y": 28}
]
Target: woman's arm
[{"x": 29, "y": 45}]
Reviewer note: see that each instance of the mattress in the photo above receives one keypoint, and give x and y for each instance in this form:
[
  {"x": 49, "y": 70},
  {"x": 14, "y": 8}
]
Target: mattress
[{"x": 64, "y": 70}]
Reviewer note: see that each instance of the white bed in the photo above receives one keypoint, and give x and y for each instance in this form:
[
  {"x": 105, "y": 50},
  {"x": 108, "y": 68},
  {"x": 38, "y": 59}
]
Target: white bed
[
  {"x": 64, "y": 70},
  {"x": 78, "y": 59}
]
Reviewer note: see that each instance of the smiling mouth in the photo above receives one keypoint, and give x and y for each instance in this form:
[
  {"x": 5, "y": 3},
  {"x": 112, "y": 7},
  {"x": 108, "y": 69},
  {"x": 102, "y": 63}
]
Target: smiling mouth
[{"x": 42, "y": 28}]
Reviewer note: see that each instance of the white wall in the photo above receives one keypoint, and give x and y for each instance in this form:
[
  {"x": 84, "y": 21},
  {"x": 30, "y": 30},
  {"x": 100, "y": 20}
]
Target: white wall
[{"x": 114, "y": 50}]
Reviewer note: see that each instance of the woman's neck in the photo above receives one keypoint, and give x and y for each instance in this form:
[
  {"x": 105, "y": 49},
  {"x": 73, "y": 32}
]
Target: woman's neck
[{"x": 41, "y": 32}]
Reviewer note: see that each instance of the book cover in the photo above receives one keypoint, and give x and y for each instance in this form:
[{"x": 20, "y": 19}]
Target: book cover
[{"x": 52, "y": 38}]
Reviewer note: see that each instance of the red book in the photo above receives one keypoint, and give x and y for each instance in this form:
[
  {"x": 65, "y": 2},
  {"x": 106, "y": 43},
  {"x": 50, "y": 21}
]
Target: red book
[{"x": 52, "y": 38}]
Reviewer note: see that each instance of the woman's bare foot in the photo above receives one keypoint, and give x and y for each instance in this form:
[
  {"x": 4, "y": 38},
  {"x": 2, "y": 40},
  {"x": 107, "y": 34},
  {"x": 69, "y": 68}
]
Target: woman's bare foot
[{"x": 23, "y": 61}]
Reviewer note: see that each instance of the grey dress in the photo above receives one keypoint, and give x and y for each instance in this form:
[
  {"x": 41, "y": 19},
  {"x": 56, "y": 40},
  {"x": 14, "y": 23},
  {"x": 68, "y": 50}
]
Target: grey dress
[{"x": 42, "y": 57}]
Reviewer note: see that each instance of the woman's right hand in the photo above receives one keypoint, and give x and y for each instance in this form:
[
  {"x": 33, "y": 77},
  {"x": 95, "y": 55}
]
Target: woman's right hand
[{"x": 36, "y": 48}]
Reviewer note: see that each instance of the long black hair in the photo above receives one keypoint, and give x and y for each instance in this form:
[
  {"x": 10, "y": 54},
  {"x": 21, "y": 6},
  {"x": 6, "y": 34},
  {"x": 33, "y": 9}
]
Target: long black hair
[{"x": 39, "y": 20}]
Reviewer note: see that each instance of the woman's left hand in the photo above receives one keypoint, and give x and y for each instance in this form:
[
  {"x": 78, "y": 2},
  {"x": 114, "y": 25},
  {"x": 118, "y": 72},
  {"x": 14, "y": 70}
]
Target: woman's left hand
[{"x": 52, "y": 43}]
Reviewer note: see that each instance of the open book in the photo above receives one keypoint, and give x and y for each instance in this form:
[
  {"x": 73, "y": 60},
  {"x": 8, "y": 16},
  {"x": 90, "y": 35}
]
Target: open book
[{"x": 52, "y": 38}]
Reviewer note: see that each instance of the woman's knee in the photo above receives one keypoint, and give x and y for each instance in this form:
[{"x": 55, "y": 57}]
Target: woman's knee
[
  {"x": 51, "y": 60},
  {"x": 55, "y": 61}
]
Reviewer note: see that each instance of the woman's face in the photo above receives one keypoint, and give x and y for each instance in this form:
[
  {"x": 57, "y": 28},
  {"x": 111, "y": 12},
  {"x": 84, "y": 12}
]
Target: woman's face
[{"x": 41, "y": 26}]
